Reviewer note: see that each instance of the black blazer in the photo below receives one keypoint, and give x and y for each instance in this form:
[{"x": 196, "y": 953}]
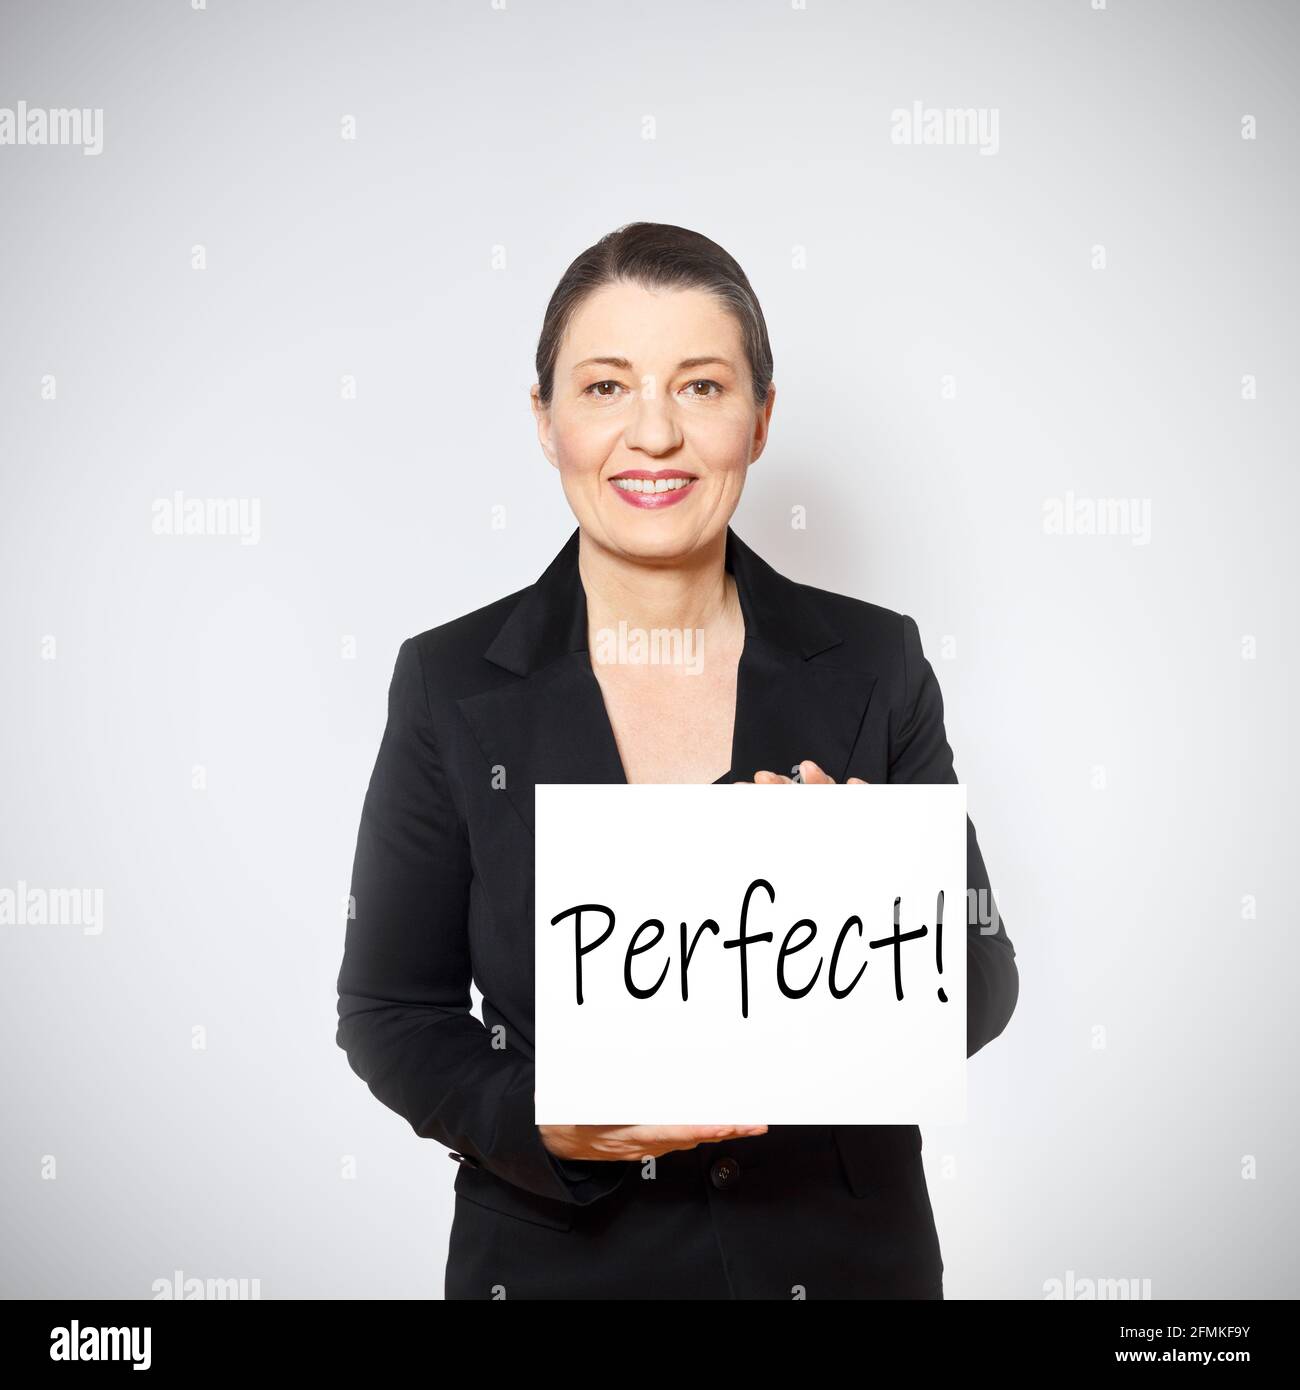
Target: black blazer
[{"x": 480, "y": 710}]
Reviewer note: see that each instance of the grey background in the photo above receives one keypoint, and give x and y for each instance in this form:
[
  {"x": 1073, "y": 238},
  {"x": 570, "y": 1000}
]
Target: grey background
[{"x": 522, "y": 128}]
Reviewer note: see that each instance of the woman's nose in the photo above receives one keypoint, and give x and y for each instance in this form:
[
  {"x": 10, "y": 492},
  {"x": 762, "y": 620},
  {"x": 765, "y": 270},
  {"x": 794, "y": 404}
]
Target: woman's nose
[{"x": 651, "y": 424}]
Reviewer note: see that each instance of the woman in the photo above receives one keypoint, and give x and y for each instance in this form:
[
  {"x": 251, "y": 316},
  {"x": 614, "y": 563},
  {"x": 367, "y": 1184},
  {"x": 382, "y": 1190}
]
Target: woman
[{"x": 654, "y": 396}]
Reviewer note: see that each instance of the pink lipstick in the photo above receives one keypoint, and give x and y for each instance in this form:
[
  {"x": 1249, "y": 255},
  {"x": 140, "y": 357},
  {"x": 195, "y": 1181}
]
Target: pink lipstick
[{"x": 639, "y": 487}]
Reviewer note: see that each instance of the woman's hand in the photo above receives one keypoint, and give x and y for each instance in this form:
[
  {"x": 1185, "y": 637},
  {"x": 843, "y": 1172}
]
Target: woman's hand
[
  {"x": 809, "y": 774},
  {"x": 614, "y": 1142}
]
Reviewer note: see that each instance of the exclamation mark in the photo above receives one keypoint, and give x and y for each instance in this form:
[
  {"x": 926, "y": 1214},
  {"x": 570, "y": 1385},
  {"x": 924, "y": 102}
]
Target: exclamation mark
[{"x": 938, "y": 943}]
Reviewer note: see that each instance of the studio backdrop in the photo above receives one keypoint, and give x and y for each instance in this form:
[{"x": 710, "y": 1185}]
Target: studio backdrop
[{"x": 1029, "y": 274}]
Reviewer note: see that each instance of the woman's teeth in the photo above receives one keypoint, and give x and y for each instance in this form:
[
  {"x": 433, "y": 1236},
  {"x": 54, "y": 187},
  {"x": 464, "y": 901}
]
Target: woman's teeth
[{"x": 651, "y": 484}]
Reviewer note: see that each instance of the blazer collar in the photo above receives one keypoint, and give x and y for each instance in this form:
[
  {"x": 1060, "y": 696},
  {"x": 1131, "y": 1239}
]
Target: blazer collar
[
  {"x": 552, "y": 725},
  {"x": 551, "y": 618}
]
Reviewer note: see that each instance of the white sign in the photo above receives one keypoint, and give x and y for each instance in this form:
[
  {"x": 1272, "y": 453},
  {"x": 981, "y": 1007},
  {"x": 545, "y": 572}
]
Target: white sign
[{"x": 742, "y": 954}]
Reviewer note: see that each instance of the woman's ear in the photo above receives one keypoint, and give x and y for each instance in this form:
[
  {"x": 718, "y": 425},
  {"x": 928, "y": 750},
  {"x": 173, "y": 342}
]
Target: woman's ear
[
  {"x": 543, "y": 418},
  {"x": 759, "y": 441}
]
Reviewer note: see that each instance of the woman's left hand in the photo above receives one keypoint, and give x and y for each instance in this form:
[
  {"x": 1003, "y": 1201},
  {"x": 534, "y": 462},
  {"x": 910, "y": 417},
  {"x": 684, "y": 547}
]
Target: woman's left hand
[{"x": 809, "y": 774}]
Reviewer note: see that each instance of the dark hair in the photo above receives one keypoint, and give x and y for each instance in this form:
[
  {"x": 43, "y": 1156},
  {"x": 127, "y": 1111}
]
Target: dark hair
[{"x": 656, "y": 254}]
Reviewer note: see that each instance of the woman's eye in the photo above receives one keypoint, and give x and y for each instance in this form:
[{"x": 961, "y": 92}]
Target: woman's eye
[
  {"x": 700, "y": 390},
  {"x": 596, "y": 389}
]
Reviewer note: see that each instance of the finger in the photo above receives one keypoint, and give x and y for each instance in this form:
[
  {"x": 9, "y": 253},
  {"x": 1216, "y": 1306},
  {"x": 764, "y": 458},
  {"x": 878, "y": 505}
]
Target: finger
[
  {"x": 689, "y": 1134},
  {"x": 811, "y": 774},
  {"x": 653, "y": 1140},
  {"x": 703, "y": 1133},
  {"x": 856, "y": 782},
  {"x": 770, "y": 778}
]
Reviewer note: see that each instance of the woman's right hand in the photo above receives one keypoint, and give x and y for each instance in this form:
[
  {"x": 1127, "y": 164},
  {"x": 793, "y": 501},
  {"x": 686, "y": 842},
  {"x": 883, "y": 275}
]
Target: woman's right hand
[{"x": 615, "y": 1142}]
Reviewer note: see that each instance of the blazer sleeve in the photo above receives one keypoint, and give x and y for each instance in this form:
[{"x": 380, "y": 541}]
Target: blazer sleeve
[
  {"x": 919, "y": 752},
  {"x": 404, "y": 1015}
]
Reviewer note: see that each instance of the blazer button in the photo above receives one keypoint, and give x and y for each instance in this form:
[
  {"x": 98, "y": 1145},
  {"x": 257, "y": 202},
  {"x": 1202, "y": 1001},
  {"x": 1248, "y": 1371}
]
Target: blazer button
[
  {"x": 461, "y": 1158},
  {"x": 725, "y": 1173}
]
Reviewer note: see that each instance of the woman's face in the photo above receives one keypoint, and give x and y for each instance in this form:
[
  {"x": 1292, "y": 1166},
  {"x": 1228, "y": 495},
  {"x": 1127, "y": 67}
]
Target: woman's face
[{"x": 652, "y": 422}]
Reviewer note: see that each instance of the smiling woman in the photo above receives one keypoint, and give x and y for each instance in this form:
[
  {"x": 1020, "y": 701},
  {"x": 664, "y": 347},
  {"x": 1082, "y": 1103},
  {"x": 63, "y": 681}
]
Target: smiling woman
[
  {"x": 627, "y": 418},
  {"x": 654, "y": 396}
]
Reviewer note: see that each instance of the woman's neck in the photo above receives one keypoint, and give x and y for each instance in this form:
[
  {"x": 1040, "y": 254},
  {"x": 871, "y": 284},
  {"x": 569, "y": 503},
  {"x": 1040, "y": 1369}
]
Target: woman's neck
[{"x": 696, "y": 593}]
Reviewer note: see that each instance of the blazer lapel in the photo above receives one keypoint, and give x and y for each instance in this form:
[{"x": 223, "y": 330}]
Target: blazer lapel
[{"x": 550, "y": 725}]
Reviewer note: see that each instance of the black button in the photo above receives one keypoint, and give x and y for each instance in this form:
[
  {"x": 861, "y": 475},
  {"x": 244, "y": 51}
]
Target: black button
[
  {"x": 725, "y": 1173},
  {"x": 460, "y": 1158}
]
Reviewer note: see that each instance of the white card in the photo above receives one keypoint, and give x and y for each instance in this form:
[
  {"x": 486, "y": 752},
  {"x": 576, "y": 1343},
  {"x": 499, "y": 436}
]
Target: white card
[{"x": 738, "y": 1048}]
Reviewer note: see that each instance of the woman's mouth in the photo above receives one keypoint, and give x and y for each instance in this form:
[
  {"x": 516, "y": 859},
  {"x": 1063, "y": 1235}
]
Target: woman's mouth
[{"x": 640, "y": 488}]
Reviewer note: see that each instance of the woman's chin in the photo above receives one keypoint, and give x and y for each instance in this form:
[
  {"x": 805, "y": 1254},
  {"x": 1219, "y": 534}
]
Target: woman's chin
[{"x": 654, "y": 535}]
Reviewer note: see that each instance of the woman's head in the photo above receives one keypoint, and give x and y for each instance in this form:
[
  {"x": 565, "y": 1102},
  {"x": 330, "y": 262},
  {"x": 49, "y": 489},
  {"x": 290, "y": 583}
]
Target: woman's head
[{"x": 653, "y": 359}]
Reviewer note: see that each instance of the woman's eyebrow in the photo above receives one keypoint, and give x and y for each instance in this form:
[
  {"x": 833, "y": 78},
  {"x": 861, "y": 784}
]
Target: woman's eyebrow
[{"x": 686, "y": 364}]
